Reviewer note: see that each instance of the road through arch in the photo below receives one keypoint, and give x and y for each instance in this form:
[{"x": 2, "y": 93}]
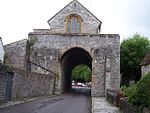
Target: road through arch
[{"x": 70, "y": 59}]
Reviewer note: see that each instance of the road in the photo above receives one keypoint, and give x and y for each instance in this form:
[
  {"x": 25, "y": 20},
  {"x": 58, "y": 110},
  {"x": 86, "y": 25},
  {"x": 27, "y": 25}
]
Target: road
[{"x": 67, "y": 103}]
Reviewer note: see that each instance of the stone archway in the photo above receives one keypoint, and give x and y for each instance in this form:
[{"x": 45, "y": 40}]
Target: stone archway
[{"x": 70, "y": 59}]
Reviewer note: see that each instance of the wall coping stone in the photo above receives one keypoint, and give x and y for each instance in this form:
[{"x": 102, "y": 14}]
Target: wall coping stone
[{"x": 76, "y": 34}]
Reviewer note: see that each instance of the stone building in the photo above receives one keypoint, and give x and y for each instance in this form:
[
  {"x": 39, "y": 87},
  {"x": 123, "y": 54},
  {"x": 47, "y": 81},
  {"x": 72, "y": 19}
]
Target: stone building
[
  {"x": 145, "y": 65},
  {"x": 73, "y": 38}
]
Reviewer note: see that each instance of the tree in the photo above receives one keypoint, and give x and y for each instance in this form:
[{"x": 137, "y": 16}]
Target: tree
[
  {"x": 141, "y": 96},
  {"x": 81, "y": 73},
  {"x": 132, "y": 52}
]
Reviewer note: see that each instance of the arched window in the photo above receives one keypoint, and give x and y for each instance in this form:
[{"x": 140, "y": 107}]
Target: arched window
[{"x": 74, "y": 24}]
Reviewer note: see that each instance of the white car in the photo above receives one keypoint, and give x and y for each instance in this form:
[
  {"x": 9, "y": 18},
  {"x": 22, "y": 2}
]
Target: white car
[{"x": 80, "y": 84}]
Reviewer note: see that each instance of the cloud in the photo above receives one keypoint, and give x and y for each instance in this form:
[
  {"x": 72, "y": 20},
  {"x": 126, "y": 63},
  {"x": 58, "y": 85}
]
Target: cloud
[{"x": 124, "y": 17}]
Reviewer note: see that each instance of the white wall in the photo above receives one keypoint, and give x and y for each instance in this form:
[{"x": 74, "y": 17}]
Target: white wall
[{"x": 1, "y": 50}]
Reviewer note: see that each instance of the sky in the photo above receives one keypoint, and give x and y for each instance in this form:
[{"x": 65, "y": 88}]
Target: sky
[{"x": 123, "y": 17}]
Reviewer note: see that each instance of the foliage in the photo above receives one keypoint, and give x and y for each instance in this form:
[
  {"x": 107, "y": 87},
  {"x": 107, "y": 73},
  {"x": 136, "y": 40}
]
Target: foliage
[
  {"x": 132, "y": 52},
  {"x": 32, "y": 40},
  {"x": 127, "y": 91},
  {"x": 6, "y": 59},
  {"x": 141, "y": 97},
  {"x": 81, "y": 73}
]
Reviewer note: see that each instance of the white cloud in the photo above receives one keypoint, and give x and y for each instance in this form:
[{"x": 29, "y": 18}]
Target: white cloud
[{"x": 124, "y": 17}]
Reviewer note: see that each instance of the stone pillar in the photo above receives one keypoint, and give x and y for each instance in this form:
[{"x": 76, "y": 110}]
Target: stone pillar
[{"x": 98, "y": 80}]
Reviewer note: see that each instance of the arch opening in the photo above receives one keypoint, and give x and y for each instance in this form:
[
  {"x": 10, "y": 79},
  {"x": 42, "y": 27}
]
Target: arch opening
[
  {"x": 81, "y": 74},
  {"x": 70, "y": 59}
]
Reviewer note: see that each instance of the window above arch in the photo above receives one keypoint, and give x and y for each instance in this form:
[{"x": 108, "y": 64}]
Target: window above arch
[{"x": 73, "y": 24}]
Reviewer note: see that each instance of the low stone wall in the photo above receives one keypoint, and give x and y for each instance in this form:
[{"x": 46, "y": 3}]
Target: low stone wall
[
  {"x": 18, "y": 84},
  {"x": 117, "y": 99},
  {"x": 2, "y": 81},
  {"x": 125, "y": 107},
  {"x": 6, "y": 76},
  {"x": 112, "y": 97},
  {"x": 30, "y": 84}
]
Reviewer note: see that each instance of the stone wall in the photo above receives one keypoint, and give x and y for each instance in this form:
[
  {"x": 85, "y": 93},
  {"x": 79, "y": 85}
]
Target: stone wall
[
  {"x": 47, "y": 51},
  {"x": 24, "y": 84},
  {"x": 29, "y": 84},
  {"x": 116, "y": 98},
  {"x": 3, "y": 70},
  {"x": 89, "y": 22},
  {"x": 16, "y": 54},
  {"x": 6, "y": 76}
]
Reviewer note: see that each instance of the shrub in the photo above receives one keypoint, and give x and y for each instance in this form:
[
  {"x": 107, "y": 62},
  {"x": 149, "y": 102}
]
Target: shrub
[
  {"x": 141, "y": 96},
  {"x": 127, "y": 91}
]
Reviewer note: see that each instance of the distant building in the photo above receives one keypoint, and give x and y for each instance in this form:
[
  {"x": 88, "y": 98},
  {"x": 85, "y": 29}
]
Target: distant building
[
  {"x": 145, "y": 65},
  {"x": 1, "y": 51}
]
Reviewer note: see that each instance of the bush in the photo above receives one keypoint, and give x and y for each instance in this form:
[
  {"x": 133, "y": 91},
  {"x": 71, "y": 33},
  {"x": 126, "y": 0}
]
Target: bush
[
  {"x": 141, "y": 96},
  {"x": 127, "y": 91}
]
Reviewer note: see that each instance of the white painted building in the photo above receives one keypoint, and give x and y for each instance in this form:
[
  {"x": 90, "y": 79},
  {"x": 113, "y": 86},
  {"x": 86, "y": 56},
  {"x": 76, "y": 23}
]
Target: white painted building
[{"x": 1, "y": 50}]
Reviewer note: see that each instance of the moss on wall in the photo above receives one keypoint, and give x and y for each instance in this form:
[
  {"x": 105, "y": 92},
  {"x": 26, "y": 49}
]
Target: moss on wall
[{"x": 31, "y": 40}]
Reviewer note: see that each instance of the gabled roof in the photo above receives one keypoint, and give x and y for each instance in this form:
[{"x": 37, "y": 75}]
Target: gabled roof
[{"x": 68, "y": 5}]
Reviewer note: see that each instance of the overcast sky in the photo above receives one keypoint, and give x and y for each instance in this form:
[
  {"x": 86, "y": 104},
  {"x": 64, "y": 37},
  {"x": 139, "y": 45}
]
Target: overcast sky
[{"x": 124, "y": 17}]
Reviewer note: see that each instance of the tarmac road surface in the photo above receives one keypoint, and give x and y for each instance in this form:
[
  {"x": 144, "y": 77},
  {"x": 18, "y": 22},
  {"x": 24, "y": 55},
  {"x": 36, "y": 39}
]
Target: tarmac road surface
[{"x": 67, "y": 103}]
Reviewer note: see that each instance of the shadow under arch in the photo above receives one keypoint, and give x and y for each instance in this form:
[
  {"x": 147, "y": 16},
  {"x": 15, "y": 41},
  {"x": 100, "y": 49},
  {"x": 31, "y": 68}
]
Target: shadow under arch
[{"x": 70, "y": 59}]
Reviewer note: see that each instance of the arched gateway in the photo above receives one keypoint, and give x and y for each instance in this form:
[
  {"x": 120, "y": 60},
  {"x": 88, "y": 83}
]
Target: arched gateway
[
  {"x": 70, "y": 59},
  {"x": 73, "y": 38}
]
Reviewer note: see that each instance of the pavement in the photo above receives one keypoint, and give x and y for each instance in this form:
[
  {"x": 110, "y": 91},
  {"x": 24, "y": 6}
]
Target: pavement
[{"x": 101, "y": 105}]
